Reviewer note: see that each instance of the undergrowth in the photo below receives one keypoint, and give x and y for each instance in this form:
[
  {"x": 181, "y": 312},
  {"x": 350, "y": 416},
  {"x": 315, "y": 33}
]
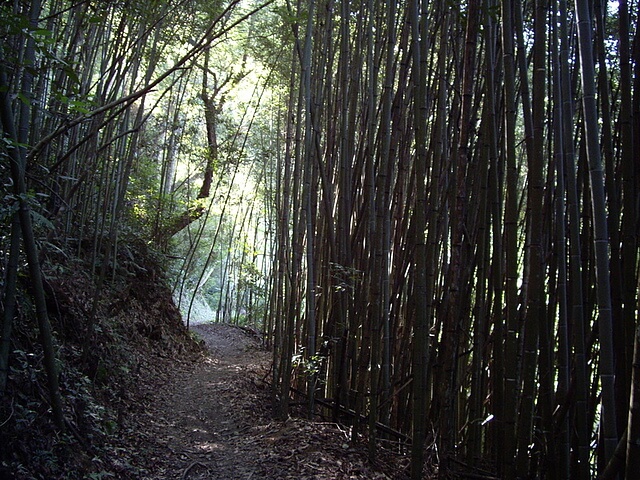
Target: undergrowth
[{"x": 137, "y": 333}]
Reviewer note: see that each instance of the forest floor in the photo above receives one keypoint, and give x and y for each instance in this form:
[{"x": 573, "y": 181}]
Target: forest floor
[
  {"x": 212, "y": 420},
  {"x": 153, "y": 401}
]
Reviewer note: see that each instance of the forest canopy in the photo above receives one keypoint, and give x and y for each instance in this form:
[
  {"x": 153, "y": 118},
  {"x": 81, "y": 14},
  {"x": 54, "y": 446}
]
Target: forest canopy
[{"x": 428, "y": 208}]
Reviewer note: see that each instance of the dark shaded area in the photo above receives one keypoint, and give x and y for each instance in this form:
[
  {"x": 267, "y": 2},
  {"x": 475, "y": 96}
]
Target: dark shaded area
[{"x": 138, "y": 338}]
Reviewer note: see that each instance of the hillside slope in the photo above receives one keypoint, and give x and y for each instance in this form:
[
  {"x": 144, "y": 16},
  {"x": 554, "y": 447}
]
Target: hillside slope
[{"x": 104, "y": 378}]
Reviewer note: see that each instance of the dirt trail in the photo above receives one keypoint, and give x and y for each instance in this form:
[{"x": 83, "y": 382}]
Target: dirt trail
[
  {"x": 201, "y": 420},
  {"x": 212, "y": 421}
]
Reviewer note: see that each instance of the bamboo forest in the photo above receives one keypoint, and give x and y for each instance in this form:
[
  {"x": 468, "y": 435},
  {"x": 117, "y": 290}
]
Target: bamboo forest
[{"x": 426, "y": 213}]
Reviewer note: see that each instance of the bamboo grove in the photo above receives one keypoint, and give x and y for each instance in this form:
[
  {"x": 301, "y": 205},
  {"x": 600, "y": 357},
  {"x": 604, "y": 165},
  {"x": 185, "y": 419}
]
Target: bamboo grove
[
  {"x": 102, "y": 104},
  {"x": 457, "y": 231},
  {"x": 441, "y": 246}
]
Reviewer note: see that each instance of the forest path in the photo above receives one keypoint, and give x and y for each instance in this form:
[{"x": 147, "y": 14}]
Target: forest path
[
  {"x": 213, "y": 421},
  {"x": 204, "y": 418}
]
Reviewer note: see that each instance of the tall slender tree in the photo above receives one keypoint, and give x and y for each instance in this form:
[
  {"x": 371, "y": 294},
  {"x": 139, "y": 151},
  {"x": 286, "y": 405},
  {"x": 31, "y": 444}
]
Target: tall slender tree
[{"x": 601, "y": 237}]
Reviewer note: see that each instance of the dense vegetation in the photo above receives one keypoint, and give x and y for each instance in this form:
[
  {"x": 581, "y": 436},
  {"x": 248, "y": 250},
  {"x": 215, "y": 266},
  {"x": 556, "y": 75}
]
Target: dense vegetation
[{"x": 429, "y": 208}]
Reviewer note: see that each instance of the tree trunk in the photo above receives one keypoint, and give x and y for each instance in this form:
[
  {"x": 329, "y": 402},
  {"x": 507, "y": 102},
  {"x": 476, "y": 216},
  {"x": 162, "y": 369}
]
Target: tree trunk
[
  {"x": 18, "y": 164},
  {"x": 601, "y": 237},
  {"x": 9, "y": 292},
  {"x": 633, "y": 425}
]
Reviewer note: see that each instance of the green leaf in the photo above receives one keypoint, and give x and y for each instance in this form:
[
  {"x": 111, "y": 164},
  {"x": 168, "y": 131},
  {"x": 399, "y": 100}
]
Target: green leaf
[
  {"x": 41, "y": 220},
  {"x": 71, "y": 73},
  {"x": 23, "y": 98},
  {"x": 10, "y": 143},
  {"x": 79, "y": 106}
]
